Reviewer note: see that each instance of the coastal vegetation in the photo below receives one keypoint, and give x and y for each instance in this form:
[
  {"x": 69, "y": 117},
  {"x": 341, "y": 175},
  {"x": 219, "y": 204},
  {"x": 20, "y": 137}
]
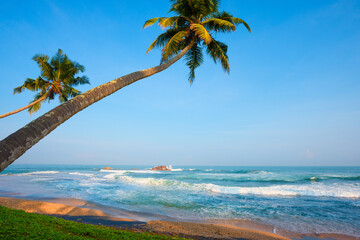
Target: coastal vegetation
[
  {"x": 18, "y": 224},
  {"x": 192, "y": 28},
  {"x": 57, "y": 78}
]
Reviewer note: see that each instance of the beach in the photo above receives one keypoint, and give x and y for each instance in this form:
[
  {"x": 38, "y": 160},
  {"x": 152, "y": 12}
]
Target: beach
[
  {"x": 98, "y": 217},
  {"x": 88, "y": 213},
  {"x": 190, "y": 200}
]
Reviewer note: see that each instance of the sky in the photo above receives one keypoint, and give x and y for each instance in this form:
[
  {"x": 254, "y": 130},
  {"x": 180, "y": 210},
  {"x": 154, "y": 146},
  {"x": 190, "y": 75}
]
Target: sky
[{"x": 292, "y": 97}]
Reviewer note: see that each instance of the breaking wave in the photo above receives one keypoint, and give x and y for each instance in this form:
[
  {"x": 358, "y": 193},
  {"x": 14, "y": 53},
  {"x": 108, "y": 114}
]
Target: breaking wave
[
  {"x": 32, "y": 173},
  {"x": 82, "y": 174},
  {"x": 312, "y": 189}
]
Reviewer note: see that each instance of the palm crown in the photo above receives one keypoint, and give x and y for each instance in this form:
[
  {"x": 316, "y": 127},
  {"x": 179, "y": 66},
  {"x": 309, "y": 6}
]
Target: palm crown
[
  {"x": 57, "y": 78},
  {"x": 196, "y": 23}
]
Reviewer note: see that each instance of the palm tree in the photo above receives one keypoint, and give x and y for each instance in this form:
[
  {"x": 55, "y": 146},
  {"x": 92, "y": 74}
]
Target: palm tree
[
  {"x": 57, "y": 78},
  {"x": 195, "y": 25},
  {"x": 187, "y": 33}
]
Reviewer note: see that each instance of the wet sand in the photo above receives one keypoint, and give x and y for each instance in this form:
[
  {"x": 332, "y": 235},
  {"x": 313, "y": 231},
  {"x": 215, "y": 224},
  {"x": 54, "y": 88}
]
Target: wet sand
[{"x": 85, "y": 212}]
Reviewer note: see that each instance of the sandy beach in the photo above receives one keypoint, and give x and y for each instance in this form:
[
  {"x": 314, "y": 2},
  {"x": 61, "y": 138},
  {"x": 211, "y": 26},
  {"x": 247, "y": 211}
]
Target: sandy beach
[
  {"x": 94, "y": 216},
  {"x": 85, "y": 212}
]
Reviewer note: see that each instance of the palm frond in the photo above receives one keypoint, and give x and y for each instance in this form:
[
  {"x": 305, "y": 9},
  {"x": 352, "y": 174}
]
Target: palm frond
[
  {"x": 68, "y": 92},
  {"x": 183, "y": 8},
  {"x": 174, "y": 22},
  {"x": 58, "y": 59},
  {"x": 151, "y": 22},
  {"x": 173, "y": 44},
  {"x": 240, "y": 21},
  {"x": 195, "y": 20},
  {"x": 79, "y": 80},
  {"x": 163, "y": 39},
  {"x": 46, "y": 69},
  {"x": 201, "y": 32},
  {"x": 19, "y": 89},
  {"x": 194, "y": 9},
  {"x": 218, "y": 25},
  {"x": 194, "y": 58},
  {"x": 208, "y": 6},
  {"x": 218, "y": 52},
  {"x": 152, "y": 45},
  {"x": 36, "y": 106},
  {"x": 32, "y": 85},
  {"x": 228, "y": 17},
  {"x": 57, "y": 76}
]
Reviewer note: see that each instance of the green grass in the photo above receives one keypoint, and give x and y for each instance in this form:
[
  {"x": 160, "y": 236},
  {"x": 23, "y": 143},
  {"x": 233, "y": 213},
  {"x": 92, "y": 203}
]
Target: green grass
[{"x": 17, "y": 224}]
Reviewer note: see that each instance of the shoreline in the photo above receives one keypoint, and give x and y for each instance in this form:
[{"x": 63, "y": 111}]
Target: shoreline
[
  {"x": 90, "y": 213},
  {"x": 98, "y": 217}
]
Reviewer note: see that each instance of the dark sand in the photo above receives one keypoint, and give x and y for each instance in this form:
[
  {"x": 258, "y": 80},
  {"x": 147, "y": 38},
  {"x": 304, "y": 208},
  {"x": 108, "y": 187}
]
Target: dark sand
[{"x": 84, "y": 212}]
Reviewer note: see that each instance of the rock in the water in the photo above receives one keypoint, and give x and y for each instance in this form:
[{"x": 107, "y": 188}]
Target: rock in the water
[
  {"x": 107, "y": 168},
  {"x": 161, "y": 168}
]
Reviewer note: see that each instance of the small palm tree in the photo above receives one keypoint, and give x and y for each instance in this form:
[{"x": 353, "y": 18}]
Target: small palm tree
[
  {"x": 187, "y": 33},
  {"x": 57, "y": 78},
  {"x": 195, "y": 25}
]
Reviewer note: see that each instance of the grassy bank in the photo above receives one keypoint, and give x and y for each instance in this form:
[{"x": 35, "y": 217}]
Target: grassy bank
[{"x": 17, "y": 224}]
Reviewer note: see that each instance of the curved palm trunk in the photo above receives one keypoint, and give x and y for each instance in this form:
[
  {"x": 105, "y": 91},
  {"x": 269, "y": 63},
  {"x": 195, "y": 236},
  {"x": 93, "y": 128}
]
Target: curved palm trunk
[
  {"x": 16, "y": 144},
  {"x": 23, "y": 108}
]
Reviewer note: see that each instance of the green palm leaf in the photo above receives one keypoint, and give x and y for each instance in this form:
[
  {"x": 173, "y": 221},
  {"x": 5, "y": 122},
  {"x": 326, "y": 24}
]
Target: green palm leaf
[
  {"x": 194, "y": 58},
  {"x": 151, "y": 22},
  {"x": 172, "y": 46},
  {"x": 174, "y": 22},
  {"x": 217, "y": 24},
  {"x": 240, "y": 21},
  {"x": 57, "y": 76},
  {"x": 218, "y": 52},
  {"x": 201, "y": 32},
  {"x": 37, "y": 106},
  {"x": 47, "y": 70},
  {"x": 228, "y": 17},
  {"x": 195, "y": 23},
  {"x": 162, "y": 39}
]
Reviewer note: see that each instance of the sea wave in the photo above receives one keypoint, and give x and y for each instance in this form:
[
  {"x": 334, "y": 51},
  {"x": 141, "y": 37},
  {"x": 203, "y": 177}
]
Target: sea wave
[
  {"x": 82, "y": 174},
  {"x": 315, "y": 190},
  {"x": 120, "y": 172},
  {"x": 311, "y": 189},
  {"x": 268, "y": 177},
  {"x": 114, "y": 171},
  {"x": 32, "y": 173},
  {"x": 333, "y": 177},
  {"x": 177, "y": 169}
]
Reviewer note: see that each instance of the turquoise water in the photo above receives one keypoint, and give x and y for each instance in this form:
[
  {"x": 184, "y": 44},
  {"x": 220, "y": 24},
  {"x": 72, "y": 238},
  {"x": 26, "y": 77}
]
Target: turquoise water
[{"x": 303, "y": 199}]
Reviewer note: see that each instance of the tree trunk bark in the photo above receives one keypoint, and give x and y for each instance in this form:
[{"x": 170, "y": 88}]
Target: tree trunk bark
[
  {"x": 16, "y": 144},
  {"x": 23, "y": 108}
]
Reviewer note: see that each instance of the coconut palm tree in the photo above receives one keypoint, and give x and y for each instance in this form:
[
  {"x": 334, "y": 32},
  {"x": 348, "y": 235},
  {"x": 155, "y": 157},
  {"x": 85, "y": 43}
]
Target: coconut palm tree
[
  {"x": 195, "y": 25},
  {"x": 193, "y": 28},
  {"x": 57, "y": 77}
]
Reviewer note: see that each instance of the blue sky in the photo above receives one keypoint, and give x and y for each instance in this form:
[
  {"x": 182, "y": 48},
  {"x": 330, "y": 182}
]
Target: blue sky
[{"x": 292, "y": 97}]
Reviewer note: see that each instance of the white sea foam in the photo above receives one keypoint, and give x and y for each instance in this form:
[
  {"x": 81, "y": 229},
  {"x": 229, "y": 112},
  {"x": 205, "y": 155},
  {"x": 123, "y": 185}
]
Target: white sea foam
[
  {"x": 111, "y": 176},
  {"x": 121, "y": 172},
  {"x": 316, "y": 189},
  {"x": 33, "y": 173},
  {"x": 144, "y": 171},
  {"x": 145, "y": 181},
  {"x": 82, "y": 174},
  {"x": 313, "y": 189},
  {"x": 114, "y": 171},
  {"x": 43, "y": 172}
]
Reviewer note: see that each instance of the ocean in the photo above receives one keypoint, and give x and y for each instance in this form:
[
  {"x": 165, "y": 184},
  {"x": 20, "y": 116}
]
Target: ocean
[{"x": 301, "y": 199}]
